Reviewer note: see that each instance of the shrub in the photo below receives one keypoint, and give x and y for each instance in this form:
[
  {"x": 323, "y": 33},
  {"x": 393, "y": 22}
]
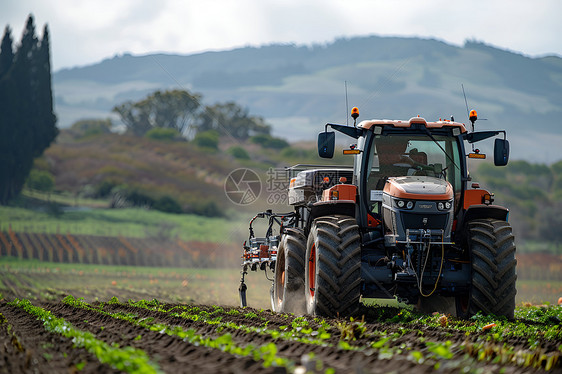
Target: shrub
[
  {"x": 238, "y": 152},
  {"x": 138, "y": 198},
  {"x": 125, "y": 196},
  {"x": 277, "y": 143},
  {"x": 260, "y": 139},
  {"x": 104, "y": 188},
  {"x": 90, "y": 127},
  {"x": 40, "y": 180},
  {"x": 208, "y": 208},
  {"x": 207, "y": 139},
  {"x": 268, "y": 141},
  {"x": 167, "y": 204},
  {"x": 163, "y": 134}
]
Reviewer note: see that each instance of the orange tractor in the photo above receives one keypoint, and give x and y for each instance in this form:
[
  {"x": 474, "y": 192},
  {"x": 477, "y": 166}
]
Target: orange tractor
[{"x": 406, "y": 222}]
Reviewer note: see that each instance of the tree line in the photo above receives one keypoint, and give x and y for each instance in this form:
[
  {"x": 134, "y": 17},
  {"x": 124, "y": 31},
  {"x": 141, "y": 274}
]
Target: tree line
[
  {"x": 182, "y": 111},
  {"x": 175, "y": 115},
  {"x": 27, "y": 120},
  {"x": 533, "y": 194}
]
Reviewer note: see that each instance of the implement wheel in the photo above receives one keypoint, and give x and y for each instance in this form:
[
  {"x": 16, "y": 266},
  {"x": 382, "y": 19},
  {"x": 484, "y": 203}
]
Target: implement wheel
[
  {"x": 492, "y": 253},
  {"x": 288, "y": 288},
  {"x": 333, "y": 267}
]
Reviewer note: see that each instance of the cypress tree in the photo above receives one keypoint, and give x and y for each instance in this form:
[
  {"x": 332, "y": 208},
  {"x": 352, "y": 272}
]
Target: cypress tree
[
  {"x": 45, "y": 127},
  {"x": 6, "y": 112},
  {"x": 21, "y": 128},
  {"x": 6, "y": 52},
  {"x": 27, "y": 121}
]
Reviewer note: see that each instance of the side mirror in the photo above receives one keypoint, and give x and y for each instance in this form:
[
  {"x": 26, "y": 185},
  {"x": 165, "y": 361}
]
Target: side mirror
[
  {"x": 501, "y": 152},
  {"x": 326, "y": 144}
]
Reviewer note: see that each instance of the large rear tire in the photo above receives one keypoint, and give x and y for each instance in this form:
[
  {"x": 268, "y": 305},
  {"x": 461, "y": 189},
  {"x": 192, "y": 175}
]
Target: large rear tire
[
  {"x": 492, "y": 255},
  {"x": 288, "y": 288},
  {"x": 333, "y": 267}
]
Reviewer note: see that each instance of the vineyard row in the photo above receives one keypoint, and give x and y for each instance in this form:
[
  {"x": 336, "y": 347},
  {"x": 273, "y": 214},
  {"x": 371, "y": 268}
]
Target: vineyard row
[
  {"x": 106, "y": 250},
  {"x": 109, "y": 250}
]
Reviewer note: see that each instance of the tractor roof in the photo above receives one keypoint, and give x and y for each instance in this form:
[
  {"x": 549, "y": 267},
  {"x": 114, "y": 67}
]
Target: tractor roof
[{"x": 396, "y": 123}]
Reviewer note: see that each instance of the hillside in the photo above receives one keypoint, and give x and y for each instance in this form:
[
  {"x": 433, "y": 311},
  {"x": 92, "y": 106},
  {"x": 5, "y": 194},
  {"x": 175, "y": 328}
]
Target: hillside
[
  {"x": 299, "y": 88},
  {"x": 98, "y": 166},
  {"x": 172, "y": 176}
]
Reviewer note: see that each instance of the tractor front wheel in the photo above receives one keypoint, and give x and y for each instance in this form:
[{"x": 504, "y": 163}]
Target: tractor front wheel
[
  {"x": 492, "y": 255},
  {"x": 288, "y": 288},
  {"x": 333, "y": 267}
]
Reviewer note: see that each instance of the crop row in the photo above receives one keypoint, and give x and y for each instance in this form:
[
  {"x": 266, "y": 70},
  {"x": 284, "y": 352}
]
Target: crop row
[
  {"x": 477, "y": 338},
  {"x": 127, "y": 359},
  {"x": 485, "y": 337},
  {"x": 224, "y": 342},
  {"x": 125, "y": 335},
  {"x": 106, "y": 250}
]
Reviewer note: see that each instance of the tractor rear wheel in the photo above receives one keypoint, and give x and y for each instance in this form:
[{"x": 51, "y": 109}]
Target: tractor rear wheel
[
  {"x": 288, "y": 288},
  {"x": 492, "y": 255},
  {"x": 333, "y": 267}
]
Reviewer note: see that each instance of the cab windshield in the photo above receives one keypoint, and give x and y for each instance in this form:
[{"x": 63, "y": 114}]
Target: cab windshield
[{"x": 414, "y": 154}]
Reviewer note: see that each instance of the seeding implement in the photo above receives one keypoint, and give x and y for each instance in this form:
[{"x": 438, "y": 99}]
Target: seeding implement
[{"x": 406, "y": 222}]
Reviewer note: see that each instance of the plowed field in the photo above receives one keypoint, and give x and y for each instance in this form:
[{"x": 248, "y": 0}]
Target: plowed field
[{"x": 148, "y": 336}]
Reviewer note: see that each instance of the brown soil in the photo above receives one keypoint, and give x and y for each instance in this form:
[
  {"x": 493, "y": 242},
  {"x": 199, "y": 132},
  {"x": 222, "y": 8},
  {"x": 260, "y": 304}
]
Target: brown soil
[{"x": 27, "y": 347}]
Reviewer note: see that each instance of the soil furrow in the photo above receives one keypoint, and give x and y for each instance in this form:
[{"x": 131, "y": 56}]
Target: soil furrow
[
  {"x": 26, "y": 347},
  {"x": 407, "y": 331},
  {"x": 367, "y": 361},
  {"x": 172, "y": 354}
]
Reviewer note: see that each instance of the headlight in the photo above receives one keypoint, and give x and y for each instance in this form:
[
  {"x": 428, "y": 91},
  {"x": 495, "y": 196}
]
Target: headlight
[
  {"x": 444, "y": 205},
  {"x": 405, "y": 204}
]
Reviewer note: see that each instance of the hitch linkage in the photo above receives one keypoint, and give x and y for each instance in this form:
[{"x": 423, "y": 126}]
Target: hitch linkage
[{"x": 260, "y": 253}]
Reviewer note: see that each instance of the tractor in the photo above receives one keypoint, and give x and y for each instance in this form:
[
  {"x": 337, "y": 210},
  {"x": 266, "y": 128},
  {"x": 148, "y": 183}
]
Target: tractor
[{"x": 405, "y": 222}]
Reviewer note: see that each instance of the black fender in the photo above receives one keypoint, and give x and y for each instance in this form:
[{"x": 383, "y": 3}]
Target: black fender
[
  {"x": 478, "y": 211},
  {"x": 485, "y": 211},
  {"x": 332, "y": 207}
]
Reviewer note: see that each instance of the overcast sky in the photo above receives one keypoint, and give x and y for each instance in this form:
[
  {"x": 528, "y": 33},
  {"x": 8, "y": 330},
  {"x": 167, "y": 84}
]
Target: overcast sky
[{"x": 86, "y": 32}]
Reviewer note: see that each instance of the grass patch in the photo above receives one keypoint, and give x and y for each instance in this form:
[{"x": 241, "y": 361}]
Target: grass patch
[
  {"x": 132, "y": 222},
  {"x": 64, "y": 198},
  {"x": 126, "y": 359}
]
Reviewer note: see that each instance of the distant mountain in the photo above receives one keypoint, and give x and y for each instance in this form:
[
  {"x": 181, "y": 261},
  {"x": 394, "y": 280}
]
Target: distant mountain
[{"x": 299, "y": 88}]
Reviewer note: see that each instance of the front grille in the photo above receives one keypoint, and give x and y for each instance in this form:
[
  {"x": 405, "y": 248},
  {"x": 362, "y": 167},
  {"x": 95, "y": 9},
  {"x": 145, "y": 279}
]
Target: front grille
[{"x": 416, "y": 221}]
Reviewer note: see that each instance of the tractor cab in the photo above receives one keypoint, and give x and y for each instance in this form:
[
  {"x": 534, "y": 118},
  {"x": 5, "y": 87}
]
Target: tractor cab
[
  {"x": 416, "y": 160},
  {"x": 411, "y": 180}
]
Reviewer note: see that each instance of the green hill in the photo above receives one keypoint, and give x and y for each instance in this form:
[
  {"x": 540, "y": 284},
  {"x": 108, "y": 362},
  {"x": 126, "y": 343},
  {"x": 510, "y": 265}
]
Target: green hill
[
  {"x": 168, "y": 175},
  {"x": 299, "y": 88}
]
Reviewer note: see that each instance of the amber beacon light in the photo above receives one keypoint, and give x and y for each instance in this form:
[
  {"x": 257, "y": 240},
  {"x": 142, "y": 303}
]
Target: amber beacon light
[{"x": 354, "y": 112}]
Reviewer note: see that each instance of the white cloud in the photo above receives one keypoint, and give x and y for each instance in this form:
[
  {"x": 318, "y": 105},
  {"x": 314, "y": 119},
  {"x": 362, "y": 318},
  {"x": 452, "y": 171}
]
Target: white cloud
[{"x": 85, "y": 32}]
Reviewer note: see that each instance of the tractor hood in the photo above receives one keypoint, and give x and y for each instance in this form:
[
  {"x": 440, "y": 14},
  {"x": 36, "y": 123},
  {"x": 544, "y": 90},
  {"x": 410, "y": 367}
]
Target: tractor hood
[{"x": 419, "y": 188}]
